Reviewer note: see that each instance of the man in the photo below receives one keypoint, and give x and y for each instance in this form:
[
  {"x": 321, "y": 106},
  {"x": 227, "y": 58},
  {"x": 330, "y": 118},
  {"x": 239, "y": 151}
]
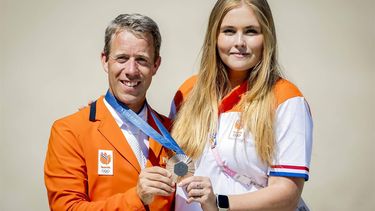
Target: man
[{"x": 96, "y": 158}]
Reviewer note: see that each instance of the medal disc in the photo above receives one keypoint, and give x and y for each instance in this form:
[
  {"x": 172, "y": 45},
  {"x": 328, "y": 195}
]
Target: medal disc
[
  {"x": 180, "y": 169},
  {"x": 180, "y": 166}
]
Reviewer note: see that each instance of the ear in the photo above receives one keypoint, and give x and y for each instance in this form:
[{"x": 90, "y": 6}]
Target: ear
[
  {"x": 156, "y": 65},
  {"x": 104, "y": 62}
]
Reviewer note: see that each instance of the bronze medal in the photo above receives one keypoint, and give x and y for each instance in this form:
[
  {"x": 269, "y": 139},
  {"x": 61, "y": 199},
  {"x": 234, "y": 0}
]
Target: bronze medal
[{"x": 180, "y": 166}]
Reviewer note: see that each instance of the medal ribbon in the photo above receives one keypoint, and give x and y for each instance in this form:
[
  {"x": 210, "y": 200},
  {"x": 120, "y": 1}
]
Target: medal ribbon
[
  {"x": 165, "y": 139},
  {"x": 225, "y": 105}
]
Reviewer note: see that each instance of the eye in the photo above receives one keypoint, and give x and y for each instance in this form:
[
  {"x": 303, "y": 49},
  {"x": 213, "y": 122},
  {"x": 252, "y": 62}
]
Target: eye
[
  {"x": 228, "y": 31},
  {"x": 251, "y": 31},
  {"x": 121, "y": 59},
  {"x": 142, "y": 61}
]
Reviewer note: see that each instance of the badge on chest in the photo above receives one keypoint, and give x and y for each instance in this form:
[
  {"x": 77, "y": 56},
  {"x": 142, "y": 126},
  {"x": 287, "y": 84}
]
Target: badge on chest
[
  {"x": 237, "y": 131},
  {"x": 105, "y": 162}
]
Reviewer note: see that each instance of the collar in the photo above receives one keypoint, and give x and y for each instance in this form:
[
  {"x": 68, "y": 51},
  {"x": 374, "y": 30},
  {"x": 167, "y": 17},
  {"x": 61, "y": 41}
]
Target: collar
[{"x": 121, "y": 121}]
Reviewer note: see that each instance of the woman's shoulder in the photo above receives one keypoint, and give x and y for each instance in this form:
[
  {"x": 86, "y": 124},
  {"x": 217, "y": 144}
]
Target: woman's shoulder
[
  {"x": 188, "y": 84},
  {"x": 181, "y": 94},
  {"x": 185, "y": 89},
  {"x": 285, "y": 90}
]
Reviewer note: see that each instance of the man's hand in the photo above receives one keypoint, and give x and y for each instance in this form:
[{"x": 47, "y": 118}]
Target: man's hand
[{"x": 154, "y": 181}]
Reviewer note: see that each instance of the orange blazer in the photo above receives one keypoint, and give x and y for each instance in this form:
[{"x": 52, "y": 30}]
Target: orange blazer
[{"x": 71, "y": 165}]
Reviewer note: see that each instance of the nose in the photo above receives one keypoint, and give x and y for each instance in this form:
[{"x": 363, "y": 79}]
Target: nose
[
  {"x": 131, "y": 68},
  {"x": 240, "y": 41}
]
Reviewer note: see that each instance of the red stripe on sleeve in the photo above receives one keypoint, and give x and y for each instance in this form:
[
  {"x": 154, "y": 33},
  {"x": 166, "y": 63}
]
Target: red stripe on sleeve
[{"x": 291, "y": 167}]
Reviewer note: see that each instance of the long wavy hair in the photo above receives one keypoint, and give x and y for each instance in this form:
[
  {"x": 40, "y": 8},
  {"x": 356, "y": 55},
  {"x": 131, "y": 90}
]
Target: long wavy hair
[{"x": 198, "y": 116}]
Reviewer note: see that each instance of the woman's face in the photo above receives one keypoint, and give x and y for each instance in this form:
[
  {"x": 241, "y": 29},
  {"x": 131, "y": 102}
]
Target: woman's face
[{"x": 240, "y": 40}]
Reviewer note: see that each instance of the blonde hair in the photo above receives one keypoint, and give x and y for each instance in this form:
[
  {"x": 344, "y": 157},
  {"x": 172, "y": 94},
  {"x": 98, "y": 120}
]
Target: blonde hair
[{"x": 198, "y": 116}]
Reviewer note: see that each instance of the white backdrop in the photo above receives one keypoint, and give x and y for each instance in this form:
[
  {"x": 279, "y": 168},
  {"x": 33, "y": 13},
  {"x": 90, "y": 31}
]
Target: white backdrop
[{"x": 50, "y": 65}]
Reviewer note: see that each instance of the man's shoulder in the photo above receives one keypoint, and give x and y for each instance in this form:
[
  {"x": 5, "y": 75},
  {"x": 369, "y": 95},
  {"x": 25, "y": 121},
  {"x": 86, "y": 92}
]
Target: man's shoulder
[
  {"x": 74, "y": 120},
  {"x": 79, "y": 119}
]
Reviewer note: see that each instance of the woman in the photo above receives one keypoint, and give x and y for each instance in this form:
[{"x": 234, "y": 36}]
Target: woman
[{"x": 249, "y": 130}]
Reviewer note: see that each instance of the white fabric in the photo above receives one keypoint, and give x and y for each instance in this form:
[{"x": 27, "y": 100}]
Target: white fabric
[
  {"x": 293, "y": 141},
  {"x": 137, "y": 140}
]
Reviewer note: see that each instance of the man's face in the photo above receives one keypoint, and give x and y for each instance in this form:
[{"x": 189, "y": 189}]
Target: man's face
[{"x": 130, "y": 67}]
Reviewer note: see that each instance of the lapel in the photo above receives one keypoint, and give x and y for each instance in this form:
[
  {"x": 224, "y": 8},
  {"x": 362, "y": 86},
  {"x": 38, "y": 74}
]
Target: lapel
[{"x": 113, "y": 134}]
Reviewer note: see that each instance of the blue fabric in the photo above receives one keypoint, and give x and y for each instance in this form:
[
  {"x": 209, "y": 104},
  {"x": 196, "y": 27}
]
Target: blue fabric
[{"x": 165, "y": 139}]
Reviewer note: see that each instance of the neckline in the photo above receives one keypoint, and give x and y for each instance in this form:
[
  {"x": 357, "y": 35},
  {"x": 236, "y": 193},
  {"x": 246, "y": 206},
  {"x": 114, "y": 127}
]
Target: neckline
[{"x": 237, "y": 77}]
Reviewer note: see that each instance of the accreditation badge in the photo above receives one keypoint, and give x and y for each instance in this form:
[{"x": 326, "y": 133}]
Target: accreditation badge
[
  {"x": 181, "y": 166},
  {"x": 105, "y": 162}
]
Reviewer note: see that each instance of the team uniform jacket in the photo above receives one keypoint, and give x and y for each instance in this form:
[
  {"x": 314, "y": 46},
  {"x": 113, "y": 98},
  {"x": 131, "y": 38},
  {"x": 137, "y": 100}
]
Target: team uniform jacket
[
  {"x": 237, "y": 148},
  {"x": 72, "y": 161}
]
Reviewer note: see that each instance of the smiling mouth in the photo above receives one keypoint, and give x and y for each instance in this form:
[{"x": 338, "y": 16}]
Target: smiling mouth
[
  {"x": 240, "y": 54},
  {"x": 131, "y": 83}
]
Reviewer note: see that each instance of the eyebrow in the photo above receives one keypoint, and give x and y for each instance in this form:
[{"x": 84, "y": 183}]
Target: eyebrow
[
  {"x": 143, "y": 57},
  {"x": 120, "y": 55},
  {"x": 127, "y": 55},
  {"x": 246, "y": 27}
]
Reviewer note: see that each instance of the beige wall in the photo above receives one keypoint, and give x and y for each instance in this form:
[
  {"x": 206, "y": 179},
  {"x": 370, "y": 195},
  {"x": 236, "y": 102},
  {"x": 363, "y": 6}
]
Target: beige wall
[{"x": 49, "y": 63}]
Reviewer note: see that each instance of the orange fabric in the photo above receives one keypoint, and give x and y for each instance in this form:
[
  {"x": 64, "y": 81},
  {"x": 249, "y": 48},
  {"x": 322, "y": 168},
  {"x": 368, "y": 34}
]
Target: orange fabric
[
  {"x": 283, "y": 90},
  {"x": 71, "y": 165},
  {"x": 183, "y": 91}
]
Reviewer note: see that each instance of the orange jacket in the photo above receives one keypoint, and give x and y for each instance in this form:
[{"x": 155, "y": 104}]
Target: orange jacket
[{"x": 71, "y": 165}]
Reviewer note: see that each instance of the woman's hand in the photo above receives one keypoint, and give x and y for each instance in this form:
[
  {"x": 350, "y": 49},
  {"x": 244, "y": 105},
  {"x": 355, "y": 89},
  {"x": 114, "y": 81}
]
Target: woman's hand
[{"x": 199, "y": 189}]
